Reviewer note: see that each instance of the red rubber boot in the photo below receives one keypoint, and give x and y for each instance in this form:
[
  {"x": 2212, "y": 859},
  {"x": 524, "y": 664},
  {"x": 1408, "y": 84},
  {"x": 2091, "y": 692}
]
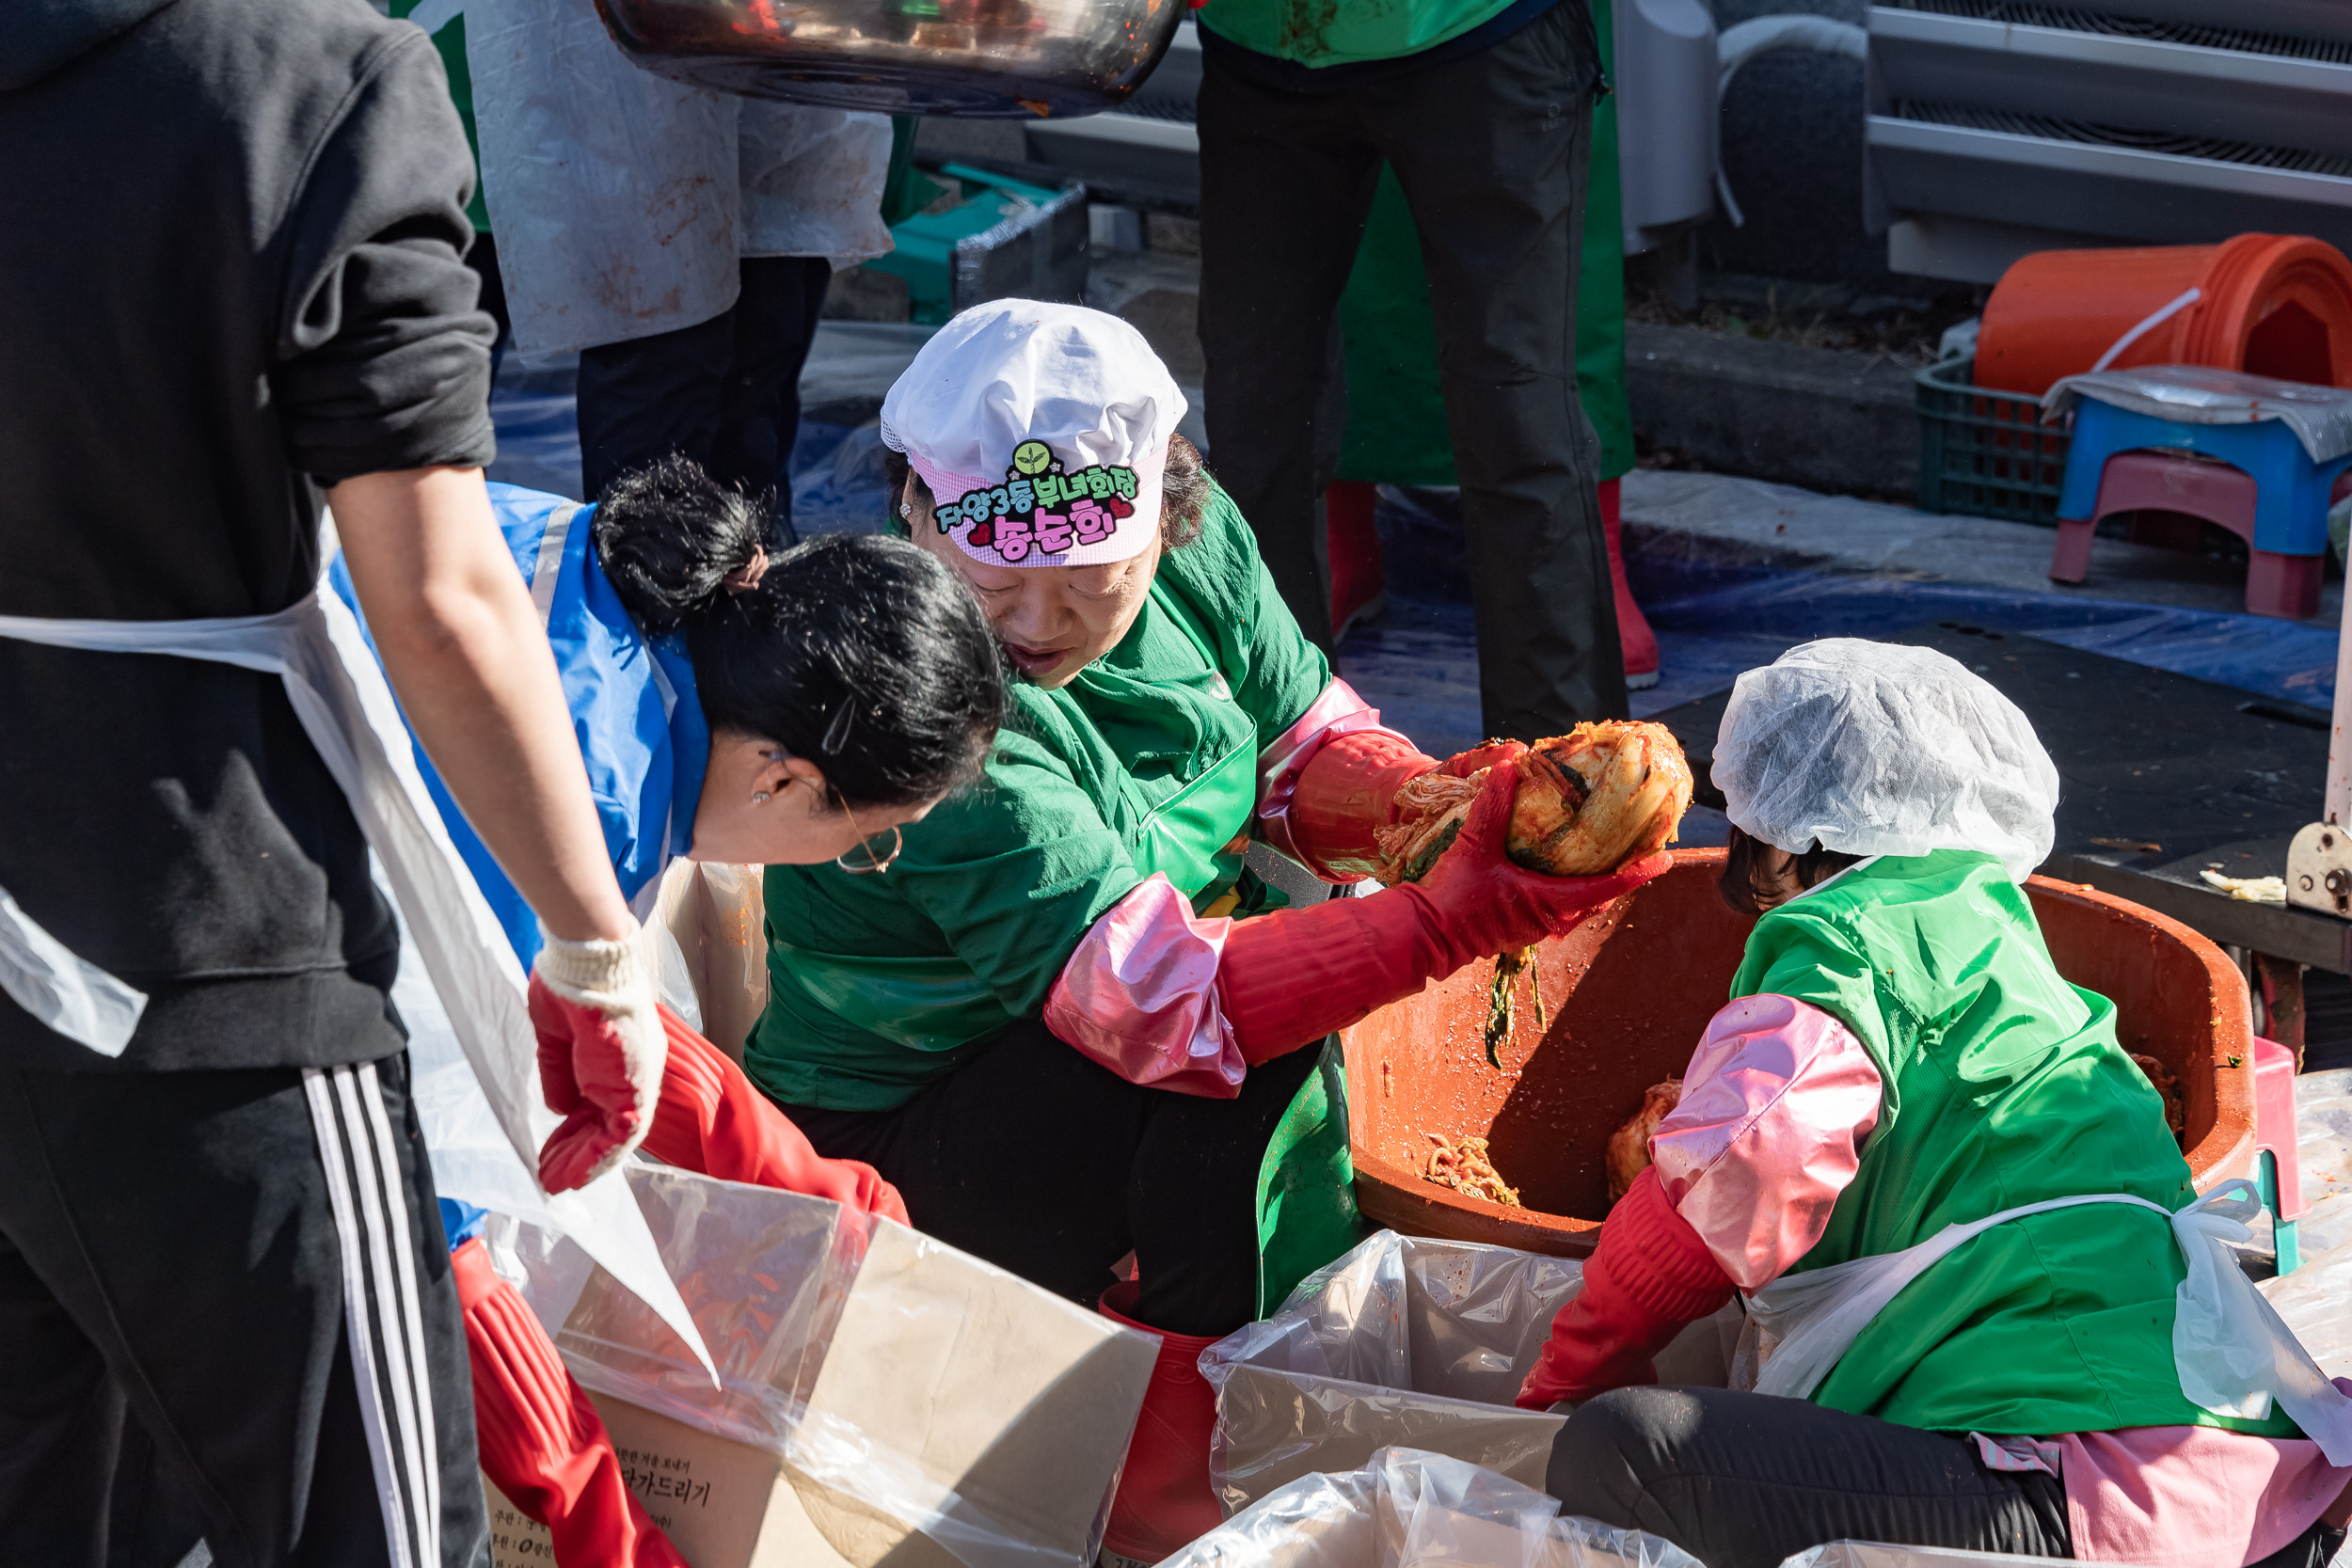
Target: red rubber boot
[
  {"x": 1633, "y": 634},
  {"x": 1358, "y": 590},
  {"x": 541, "y": 1441},
  {"x": 1164, "y": 1502}
]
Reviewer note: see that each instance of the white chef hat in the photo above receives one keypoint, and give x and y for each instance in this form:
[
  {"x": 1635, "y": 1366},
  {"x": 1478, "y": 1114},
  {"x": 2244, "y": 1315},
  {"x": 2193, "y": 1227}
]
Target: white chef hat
[
  {"x": 1882, "y": 749},
  {"x": 1042, "y": 431}
]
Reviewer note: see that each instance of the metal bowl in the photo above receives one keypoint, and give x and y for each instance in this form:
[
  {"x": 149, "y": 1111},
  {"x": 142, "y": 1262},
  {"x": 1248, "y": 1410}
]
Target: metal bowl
[{"x": 985, "y": 59}]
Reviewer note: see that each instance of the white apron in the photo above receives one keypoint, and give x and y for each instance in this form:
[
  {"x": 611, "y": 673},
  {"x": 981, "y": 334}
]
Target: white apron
[
  {"x": 475, "y": 998},
  {"x": 2234, "y": 1353},
  {"x": 621, "y": 200}
]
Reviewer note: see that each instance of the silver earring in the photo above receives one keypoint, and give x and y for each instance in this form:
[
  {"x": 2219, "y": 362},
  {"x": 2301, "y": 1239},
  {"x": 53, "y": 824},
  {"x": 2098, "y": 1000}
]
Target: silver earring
[
  {"x": 906, "y": 509},
  {"x": 760, "y": 797}
]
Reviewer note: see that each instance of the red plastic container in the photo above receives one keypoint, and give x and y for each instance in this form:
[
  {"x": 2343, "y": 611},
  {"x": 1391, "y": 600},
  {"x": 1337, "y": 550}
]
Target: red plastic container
[
  {"x": 1628, "y": 994},
  {"x": 2268, "y": 304}
]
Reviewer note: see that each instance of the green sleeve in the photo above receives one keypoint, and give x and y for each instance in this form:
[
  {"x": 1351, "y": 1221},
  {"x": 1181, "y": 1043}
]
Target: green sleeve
[
  {"x": 1275, "y": 673},
  {"x": 1015, "y": 869}
]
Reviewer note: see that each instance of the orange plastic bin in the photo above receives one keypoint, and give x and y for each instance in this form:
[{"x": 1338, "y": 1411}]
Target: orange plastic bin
[
  {"x": 1628, "y": 994},
  {"x": 2276, "y": 305}
]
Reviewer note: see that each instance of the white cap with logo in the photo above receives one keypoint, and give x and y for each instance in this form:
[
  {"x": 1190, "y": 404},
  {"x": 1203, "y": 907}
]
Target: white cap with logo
[{"x": 1042, "y": 431}]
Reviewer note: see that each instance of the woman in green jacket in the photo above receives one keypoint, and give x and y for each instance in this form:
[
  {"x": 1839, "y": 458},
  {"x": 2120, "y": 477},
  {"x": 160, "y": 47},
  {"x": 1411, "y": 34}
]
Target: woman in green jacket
[
  {"x": 1049, "y": 1023},
  {"x": 1951, "y": 1199}
]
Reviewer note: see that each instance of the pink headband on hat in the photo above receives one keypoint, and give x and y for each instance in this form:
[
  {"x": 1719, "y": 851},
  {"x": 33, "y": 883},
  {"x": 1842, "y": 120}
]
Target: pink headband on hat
[{"x": 1040, "y": 515}]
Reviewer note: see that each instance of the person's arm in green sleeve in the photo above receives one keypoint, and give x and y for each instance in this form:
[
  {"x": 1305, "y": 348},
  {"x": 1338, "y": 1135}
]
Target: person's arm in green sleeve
[{"x": 1015, "y": 870}]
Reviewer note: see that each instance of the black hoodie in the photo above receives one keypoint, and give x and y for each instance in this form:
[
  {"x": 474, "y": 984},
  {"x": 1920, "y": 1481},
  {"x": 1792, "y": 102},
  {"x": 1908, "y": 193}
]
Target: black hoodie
[{"x": 230, "y": 234}]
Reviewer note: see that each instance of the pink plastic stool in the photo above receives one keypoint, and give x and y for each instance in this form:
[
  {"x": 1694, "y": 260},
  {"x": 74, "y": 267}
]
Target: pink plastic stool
[
  {"x": 2277, "y": 1174},
  {"x": 2283, "y": 586}
]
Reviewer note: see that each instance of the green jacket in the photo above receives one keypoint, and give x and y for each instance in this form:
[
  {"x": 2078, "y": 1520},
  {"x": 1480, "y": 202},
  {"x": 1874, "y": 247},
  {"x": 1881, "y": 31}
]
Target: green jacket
[
  {"x": 1146, "y": 760},
  {"x": 1396, "y": 422},
  {"x": 2003, "y": 1085},
  {"x": 450, "y": 38},
  {"x": 1318, "y": 33}
]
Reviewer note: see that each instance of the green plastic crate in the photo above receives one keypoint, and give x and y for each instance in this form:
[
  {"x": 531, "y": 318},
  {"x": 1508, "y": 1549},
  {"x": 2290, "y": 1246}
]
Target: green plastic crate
[{"x": 1986, "y": 452}]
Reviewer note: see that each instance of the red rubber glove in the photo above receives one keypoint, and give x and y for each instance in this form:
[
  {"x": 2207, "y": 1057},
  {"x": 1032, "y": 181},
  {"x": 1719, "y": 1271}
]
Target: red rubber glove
[
  {"x": 1651, "y": 1277},
  {"x": 1349, "y": 789},
  {"x": 1346, "y": 790},
  {"x": 711, "y": 1120},
  {"x": 1289, "y": 978},
  {"x": 542, "y": 1443},
  {"x": 600, "y": 1049}
]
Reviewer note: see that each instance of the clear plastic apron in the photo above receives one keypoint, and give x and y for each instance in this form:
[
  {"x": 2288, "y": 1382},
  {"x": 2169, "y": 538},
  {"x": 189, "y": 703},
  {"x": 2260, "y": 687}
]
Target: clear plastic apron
[
  {"x": 2234, "y": 1355},
  {"x": 477, "y": 987}
]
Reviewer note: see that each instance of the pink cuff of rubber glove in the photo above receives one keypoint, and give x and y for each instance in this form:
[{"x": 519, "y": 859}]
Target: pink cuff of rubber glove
[
  {"x": 601, "y": 1047},
  {"x": 1338, "y": 712},
  {"x": 1139, "y": 995},
  {"x": 1776, "y": 1104}
]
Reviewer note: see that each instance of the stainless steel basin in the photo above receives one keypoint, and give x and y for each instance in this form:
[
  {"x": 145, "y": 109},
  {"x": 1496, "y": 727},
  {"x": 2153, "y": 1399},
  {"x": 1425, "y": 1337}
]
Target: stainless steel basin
[{"x": 998, "y": 59}]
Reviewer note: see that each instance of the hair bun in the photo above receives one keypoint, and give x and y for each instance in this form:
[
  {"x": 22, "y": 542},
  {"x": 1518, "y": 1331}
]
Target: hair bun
[{"x": 676, "y": 544}]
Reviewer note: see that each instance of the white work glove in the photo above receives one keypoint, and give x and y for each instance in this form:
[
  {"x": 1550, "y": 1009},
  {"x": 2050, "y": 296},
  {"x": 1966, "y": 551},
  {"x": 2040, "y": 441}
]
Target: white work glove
[{"x": 601, "y": 1047}]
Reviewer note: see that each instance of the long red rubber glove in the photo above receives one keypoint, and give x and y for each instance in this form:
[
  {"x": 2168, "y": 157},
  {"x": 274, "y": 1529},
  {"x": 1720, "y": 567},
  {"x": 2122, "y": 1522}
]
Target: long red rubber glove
[
  {"x": 1650, "y": 1276},
  {"x": 1291, "y": 978},
  {"x": 592, "y": 1005},
  {"x": 1348, "y": 790},
  {"x": 711, "y": 1118},
  {"x": 541, "y": 1441}
]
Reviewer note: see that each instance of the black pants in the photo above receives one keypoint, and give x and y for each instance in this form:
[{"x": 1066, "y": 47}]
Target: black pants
[
  {"x": 176, "y": 1353},
  {"x": 727, "y": 393},
  {"x": 1490, "y": 150},
  {"x": 1745, "y": 1481},
  {"x": 1035, "y": 1159}
]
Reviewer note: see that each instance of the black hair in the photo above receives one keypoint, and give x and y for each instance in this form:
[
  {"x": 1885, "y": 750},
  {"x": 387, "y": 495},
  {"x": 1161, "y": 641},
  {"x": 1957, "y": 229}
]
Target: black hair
[
  {"x": 861, "y": 653},
  {"x": 1184, "y": 486},
  {"x": 1744, "y": 884}
]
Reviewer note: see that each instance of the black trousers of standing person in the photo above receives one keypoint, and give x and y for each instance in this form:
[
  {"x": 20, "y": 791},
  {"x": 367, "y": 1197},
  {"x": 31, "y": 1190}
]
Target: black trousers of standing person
[
  {"x": 1491, "y": 149},
  {"x": 727, "y": 393},
  {"x": 1747, "y": 1480},
  {"x": 1053, "y": 1167},
  {"x": 226, "y": 1315}
]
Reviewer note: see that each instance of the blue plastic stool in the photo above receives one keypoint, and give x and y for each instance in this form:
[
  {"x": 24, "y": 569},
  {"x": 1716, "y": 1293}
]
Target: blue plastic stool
[{"x": 2291, "y": 512}]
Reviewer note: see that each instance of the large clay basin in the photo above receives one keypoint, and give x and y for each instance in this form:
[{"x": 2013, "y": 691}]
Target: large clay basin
[{"x": 1627, "y": 994}]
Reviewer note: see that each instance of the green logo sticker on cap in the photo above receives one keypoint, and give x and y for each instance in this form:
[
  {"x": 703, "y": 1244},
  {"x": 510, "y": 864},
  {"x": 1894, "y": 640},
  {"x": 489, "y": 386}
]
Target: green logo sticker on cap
[{"x": 1032, "y": 458}]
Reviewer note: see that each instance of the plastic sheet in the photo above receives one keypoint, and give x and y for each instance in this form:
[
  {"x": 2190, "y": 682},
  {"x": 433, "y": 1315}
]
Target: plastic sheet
[
  {"x": 906, "y": 1388},
  {"x": 2315, "y": 1301},
  {"x": 2323, "y": 1122},
  {"x": 2321, "y": 417},
  {"x": 1407, "y": 1341},
  {"x": 1413, "y": 1509},
  {"x": 763, "y": 1272},
  {"x": 1863, "y": 1554}
]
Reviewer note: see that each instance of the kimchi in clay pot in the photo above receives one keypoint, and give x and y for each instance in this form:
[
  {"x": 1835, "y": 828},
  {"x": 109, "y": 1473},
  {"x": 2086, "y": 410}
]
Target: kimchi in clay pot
[{"x": 1627, "y": 995}]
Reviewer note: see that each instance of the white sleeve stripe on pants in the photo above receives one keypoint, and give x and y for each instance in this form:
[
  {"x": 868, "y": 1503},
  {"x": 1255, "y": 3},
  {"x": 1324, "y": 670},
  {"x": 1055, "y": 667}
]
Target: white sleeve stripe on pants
[
  {"x": 411, "y": 1517},
  {"x": 386, "y": 1218},
  {"x": 404, "y": 1268}
]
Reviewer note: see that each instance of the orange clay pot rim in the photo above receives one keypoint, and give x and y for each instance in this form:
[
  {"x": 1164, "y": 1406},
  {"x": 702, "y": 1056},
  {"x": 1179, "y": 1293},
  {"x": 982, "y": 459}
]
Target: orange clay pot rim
[{"x": 2220, "y": 1151}]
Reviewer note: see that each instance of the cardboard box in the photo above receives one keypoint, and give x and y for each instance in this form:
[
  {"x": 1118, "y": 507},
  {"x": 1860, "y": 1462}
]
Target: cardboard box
[
  {"x": 948, "y": 1399},
  {"x": 722, "y": 1504}
]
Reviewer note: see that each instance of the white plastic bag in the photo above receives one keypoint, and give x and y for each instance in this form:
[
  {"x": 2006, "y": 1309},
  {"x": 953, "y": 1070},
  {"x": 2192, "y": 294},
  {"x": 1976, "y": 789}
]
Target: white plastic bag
[
  {"x": 2315, "y": 1301},
  {"x": 1413, "y": 1342},
  {"x": 904, "y": 1387},
  {"x": 1410, "y": 1508},
  {"x": 1867, "y": 1554}
]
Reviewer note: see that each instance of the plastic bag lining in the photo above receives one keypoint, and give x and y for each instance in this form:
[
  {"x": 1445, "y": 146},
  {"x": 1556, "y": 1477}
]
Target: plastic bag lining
[{"x": 1413, "y": 1509}]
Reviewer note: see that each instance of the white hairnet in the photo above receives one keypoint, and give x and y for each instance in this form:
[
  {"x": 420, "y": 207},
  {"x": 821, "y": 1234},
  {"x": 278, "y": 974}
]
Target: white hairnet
[{"x": 1879, "y": 749}]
